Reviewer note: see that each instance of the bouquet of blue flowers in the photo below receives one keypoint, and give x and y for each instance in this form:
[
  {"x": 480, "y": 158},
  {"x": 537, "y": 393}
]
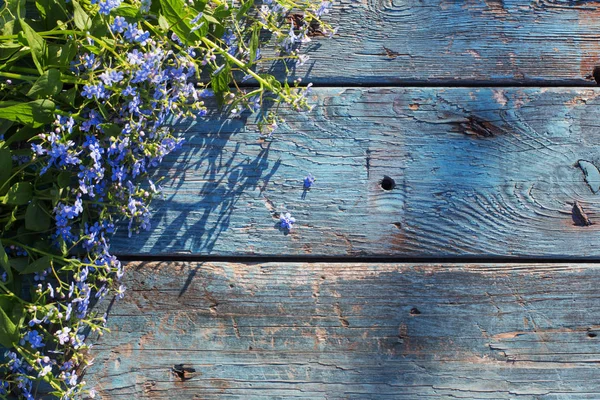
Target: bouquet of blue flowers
[{"x": 89, "y": 90}]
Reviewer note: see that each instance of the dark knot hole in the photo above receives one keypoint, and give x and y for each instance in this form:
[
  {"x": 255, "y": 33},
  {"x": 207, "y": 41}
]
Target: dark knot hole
[{"x": 387, "y": 183}]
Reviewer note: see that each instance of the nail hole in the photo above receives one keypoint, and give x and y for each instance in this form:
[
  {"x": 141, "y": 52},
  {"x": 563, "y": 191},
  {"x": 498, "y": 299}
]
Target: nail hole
[
  {"x": 414, "y": 311},
  {"x": 592, "y": 334},
  {"x": 596, "y": 74},
  {"x": 249, "y": 347},
  {"x": 387, "y": 183},
  {"x": 231, "y": 286},
  {"x": 322, "y": 276}
]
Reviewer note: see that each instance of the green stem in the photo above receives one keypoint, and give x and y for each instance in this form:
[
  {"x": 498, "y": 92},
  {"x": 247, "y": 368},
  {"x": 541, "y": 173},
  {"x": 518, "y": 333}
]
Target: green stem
[
  {"x": 237, "y": 62},
  {"x": 45, "y": 33},
  {"x": 11, "y": 294},
  {"x": 19, "y": 76}
]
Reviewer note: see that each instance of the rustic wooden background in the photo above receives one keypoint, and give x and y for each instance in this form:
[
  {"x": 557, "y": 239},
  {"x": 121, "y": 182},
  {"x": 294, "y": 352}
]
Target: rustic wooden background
[{"x": 474, "y": 275}]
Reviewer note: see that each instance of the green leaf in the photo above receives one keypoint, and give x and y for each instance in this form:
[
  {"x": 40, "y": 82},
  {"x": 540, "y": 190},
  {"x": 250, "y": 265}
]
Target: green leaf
[
  {"x": 126, "y": 10},
  {"x": 67, "y": 96},
  {"x": 5, "y": 166},
  {"x": 20, "y": 193},
  {"x": 55, "y": 194},
  {"x": 199, "y": 5},
  {"x": 271, "y": 80},
  {"x": 5, "y": 126},
  {"x": 11, "y": 219},
  {"x": 67, "y": 54},
  {"x": 163, "y": 23},
  {"x": 47, "y": 85},
  {"x": 9, "y": 331},
  {"x": 177, "y": 16},
  {"x": 36, "y": 43},
  {"x": 50, "y": 12},
  {"x": 19, "y": 263},
  {"x": 12, "y": 9},
  {"x": 22, "y": 135},
  {"x": 244, "y": 8},
  {"x": 253, "y": 46},
  {"x": 36, "y": 218},
  {"x": 220, "y": 82},
  {"x": 4, "y": 263},
  {"x": 37, "y": 266},
  {"x": 211, "y": 19},
  {"x": 14, "y": 57},
  {"x": 111, "y": 129},
  {"x": 10, "y": 314},
  {"x": 222, "y": 12},
  {"x": 64, "y": 179},
  {"x": 81, "y": 18},
  {"x": 7, "y": 50},
  {"x": 35, "y": 113}
]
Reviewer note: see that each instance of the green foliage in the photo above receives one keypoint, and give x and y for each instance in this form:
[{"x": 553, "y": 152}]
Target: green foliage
[
  {"x": 11, "y": 313},
  {"x": 87, "y": 91},
  {"x": 34, "y": 113},
  {"x": 47, "y": 85}
]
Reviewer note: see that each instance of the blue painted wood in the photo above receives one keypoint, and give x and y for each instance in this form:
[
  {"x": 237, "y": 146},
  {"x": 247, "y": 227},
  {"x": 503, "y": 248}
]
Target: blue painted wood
[
  {"x": 477, "y": 172},
  {"x": 356, "y": 331},
  {"x": 455, "y": 42}
]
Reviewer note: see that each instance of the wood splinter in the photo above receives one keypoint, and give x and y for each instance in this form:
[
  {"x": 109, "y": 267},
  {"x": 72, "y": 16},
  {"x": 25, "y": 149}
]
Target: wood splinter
[{"x": 579, "y": 216}]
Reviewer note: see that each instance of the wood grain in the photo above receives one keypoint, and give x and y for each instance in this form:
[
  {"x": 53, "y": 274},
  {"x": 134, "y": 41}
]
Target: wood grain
[
  {"x": 316, "y": 330},
  {"x": 477, "y": 172},
  {"x": 446, "y": 42}
]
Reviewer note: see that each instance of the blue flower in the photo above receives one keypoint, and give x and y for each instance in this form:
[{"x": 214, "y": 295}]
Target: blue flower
[
  {"x": 110, "y": 77},
  {"x": 118, "y": 25},
  {"x": 91, "y": 91},
  {"x": 34, "y": 338},
  {"x": 129, "y": 91},
  {"x": 107, "y": 5},
  {"x": 38, "y": 149},
  {"x": 134, "y": 34},
  {"x": 308, "y": 181},
  {"x": 287, "y": 221},
  {"x": 323, "y": 8},
  {"x": 229, "y": 38},
  {"x": 135, "y": 57},
  {"x": 145, "y": 6},
  {"x": 89, "y": 61}
]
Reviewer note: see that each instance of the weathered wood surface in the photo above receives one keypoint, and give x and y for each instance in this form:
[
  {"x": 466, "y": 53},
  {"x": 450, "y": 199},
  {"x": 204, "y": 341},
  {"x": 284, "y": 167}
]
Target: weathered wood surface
[
  {"x": 452, "y": 42},
  {"x": 290, "y": 330},
  {"x": 478, "y": 172}
]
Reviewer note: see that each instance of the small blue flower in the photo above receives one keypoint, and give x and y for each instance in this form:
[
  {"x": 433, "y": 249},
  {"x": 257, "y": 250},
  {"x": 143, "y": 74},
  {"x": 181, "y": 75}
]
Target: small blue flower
[
  {"x": 34, "y": 338},
  {"x": 287, "y": 221},
  {"x": 91, "y": 91},
  {"x": 89, "y": 61},
  {"x": 129, "y": 91},
  {"x": 107, "y": 5},
  {"x": 118, "y": 25},
  {"x": 308, "y": 181},
  {"x": 229, "y": 38},
  {"x": 145, "y": 6},
  {"x": 110, "y": 77}
]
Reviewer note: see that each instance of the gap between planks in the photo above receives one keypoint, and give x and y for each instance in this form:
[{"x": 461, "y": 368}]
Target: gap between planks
[{"x": 346, "y": 259}]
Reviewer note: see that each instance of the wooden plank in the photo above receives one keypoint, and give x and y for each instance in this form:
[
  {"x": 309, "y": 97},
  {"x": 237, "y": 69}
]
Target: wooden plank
[
  {"x": 455, "y": 42},
  {"x": 317, "y": 330},
  {"x": 477, "y": 172}
]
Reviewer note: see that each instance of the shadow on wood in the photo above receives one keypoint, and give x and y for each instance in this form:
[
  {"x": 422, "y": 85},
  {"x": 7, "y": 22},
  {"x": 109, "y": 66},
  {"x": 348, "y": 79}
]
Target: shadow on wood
[{"x": 285, "y": 330}]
